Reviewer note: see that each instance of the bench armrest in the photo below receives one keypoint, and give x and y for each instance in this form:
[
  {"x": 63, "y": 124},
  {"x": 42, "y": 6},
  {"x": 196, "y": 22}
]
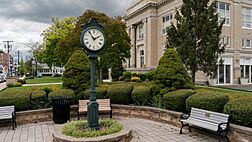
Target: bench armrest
[
  {"x": 223, "y": 126},
  {"x": 184, "y": 116}
]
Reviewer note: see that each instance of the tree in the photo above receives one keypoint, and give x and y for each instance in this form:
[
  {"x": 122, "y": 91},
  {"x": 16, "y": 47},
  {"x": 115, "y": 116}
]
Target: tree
[
  {"x": 171, "y": 74},
  {"x": 77, "y": 73},
  {"x": 196, "y": 36},
  {"x": 117, "y": 43},
  {"x": 51, "y": 37},
  {"x": 28, "y": 66},
  {"x": 22, "y": 67}
]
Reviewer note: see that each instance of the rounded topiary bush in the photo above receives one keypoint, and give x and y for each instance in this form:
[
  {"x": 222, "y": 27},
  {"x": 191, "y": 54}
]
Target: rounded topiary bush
[
  {"x": 141, "y": 95},
  {"x": 171, "y": 74},
  {"x": 176, "y": 100},
  {"x": 101, "y": 93},
  {"x": 127, "y": 75},
  {"x": 77, "y": 73},
  {"x": 240, "y": 111},
  {"x": 120, "y": 93},
  {"x": 212, "y": 101}
]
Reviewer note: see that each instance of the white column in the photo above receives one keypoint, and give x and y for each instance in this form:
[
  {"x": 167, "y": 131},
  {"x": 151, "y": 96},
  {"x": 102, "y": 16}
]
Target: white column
[{"x": 133, "y": 46}]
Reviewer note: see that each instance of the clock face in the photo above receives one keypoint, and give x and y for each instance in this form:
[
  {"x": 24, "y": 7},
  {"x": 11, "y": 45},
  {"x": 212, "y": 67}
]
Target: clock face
[{"x": 93, "y": 39}]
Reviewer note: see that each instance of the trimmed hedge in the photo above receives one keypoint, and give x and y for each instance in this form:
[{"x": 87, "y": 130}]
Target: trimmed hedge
[
  {"x": 176, "y": 100},
  {"x": 120, "y": 93},
  {"x": 61, "y": 92},
  {"x": 127, "y": 75},
  {"x": 20, "y": 98},
  {"x": 212, "y": 101},
  {"x": 240, "y": 111},
  {"x": 141, "y": 95},
  {"x": 101, "y": 93}
]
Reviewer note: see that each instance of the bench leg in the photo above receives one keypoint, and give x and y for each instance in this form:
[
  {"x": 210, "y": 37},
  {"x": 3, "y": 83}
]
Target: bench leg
[
  {"x": 78, "y": 115},
  {"x": 110, "y": 113},
  {"x": 189, "y": 128},
  {"x": 13, "y": 124},
  {"x": 180, "y": 132}
]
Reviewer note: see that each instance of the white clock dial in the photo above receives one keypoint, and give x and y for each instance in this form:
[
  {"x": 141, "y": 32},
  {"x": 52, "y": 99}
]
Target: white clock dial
[{"x": 93, "y": 39}]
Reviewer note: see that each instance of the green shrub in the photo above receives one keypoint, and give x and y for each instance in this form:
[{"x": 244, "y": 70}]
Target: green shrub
[
  {"x": 127, "y": 75},
  {"x": 101, "y": 93},
  {"x": 150, "y": 75},
  {"x": 121, "y": 78},
  {"x": 171, "y": 73},
  {"x": 22, "y": 81},
  {"x": 19, "y": 98},
  {"x": 120, "y": 93},
  {"x": 141, "y": 95},
  {"x": 134, "y": 75},
  {"x": 18, "y": 84},
  {"x": 11, "y": 85},
  {"x": 141, "y": 76},
  {"x": 176, "y": 100},
  {"x": 134, "y": 79},
  {"x": 212, "y": 101},
  {"x": 77, "y": 73},
  {"x": 117, "y": 70},
  {"x": 240, "y": 111},
  {"x": 61, "y": 92},
  {"x": 38, "y": 100}
]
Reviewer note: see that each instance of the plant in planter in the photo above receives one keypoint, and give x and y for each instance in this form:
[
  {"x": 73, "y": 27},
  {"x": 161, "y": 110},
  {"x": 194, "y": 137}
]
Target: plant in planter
[{"x": 244, "y": 80}]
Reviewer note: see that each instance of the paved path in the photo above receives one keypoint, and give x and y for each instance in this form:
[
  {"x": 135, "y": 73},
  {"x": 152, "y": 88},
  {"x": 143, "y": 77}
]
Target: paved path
[
  {"x": 41, "y": 84},
  {"x": 143, "y": 131}
]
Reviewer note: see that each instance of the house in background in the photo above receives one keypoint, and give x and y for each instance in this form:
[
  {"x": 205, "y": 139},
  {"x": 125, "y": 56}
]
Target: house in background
[
  {"x": 5, "y": 59},
  {"x": 45, "y": 70},
  {"x": 147, "y": 21}
]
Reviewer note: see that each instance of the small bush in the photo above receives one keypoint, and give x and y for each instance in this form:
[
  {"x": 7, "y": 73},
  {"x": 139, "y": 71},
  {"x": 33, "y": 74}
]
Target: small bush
[
  {"x": 212, "y": 101},
  {"x": 127, "y": 75},
  {"x": 22, "y": 81},
  {"x": 176, "y": 100},
  {"x": 31, "y": 77},
  {"x": 101, "y": 93},
  {"x": 121, "y": 78},
  {"x": 240, "y": 111},
  {"x": 62, "y": 92},
  {"x": 134, "y": 79},
  {"x": 134, "y": 75},
  {"x": 19, "y": 98},
  {"x": 150, "y": 75},
  {"x": 141, "y": 95},
  {"x": 11, "y": 85},
  {"x": 120, "y": 93},
  {"x": 141, "y": 76},
  {"x": 18, "y": 84}
]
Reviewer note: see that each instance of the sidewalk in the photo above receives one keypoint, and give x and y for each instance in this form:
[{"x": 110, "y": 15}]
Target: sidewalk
[
  {"x": 143, "y": 131},
  {"x": 41, "y": 84}
]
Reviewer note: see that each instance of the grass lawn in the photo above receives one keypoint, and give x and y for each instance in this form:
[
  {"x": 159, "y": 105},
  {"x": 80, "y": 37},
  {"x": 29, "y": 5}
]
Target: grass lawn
[
  {"x": 32, "y": 88},
  {"x": 44, "y": 80}
]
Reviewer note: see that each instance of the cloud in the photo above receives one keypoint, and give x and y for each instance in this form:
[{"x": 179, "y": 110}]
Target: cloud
[
  {"x": 44, "y": 10},
  {"x": 23, "y": 21}
]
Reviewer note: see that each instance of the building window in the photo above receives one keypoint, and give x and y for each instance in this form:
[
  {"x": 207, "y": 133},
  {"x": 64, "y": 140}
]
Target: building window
[
  {"x": 246, "y": 17},
  {"x": 140, "y": 32},
  {"x": 246, "y": 43},
  {"x": 224, "y": 13},
  {"x": 141, "y": 58},
  {"x": 225, "y": 40},
  {"x": 166, "y": 23}
]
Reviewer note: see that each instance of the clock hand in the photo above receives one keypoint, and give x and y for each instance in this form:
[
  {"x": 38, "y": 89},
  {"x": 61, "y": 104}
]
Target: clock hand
[
  {"x": 91, "y": 35},
  {"x": 97, "y": 37}
]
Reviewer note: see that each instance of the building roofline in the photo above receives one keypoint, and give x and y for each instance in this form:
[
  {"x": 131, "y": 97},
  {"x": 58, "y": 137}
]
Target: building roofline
[{"x": 147, "y": 6}]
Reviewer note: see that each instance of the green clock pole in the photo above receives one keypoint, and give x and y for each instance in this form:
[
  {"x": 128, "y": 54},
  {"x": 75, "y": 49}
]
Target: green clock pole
[{"x": 93, "y": 114}]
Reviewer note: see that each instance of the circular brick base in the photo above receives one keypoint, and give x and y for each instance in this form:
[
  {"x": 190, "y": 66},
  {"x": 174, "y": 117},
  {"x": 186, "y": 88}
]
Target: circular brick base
[{"x": 124, "y": 135}]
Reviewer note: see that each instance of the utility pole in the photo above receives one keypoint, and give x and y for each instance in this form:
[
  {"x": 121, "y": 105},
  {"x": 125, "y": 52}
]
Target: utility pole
[{"x": 8, "y": 46}]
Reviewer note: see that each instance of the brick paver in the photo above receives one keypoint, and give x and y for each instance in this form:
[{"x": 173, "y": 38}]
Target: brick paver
[{"x": 143, "y": 131}]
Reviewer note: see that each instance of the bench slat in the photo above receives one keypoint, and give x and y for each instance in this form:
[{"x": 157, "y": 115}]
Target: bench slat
[{"x": 104, "y": 105}]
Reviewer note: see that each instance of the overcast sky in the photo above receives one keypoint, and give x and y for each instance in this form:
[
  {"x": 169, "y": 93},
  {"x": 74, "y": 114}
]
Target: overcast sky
[{"x": 22, "y": 21}]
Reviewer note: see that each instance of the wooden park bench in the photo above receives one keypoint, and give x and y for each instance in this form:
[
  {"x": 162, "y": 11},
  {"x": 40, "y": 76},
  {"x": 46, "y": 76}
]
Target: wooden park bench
[
  {"x": 104, "y": 107},
  {"x": 217, "y": 122},
  {"x": 7, "y": 113}
]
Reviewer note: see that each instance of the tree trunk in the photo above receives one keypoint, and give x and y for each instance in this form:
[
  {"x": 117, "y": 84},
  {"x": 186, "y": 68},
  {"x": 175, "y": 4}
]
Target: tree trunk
[{"x": 193, "y": 77}]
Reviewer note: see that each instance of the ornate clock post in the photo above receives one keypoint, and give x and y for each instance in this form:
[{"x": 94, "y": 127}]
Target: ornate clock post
[{"x": 92, "y": 40}]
